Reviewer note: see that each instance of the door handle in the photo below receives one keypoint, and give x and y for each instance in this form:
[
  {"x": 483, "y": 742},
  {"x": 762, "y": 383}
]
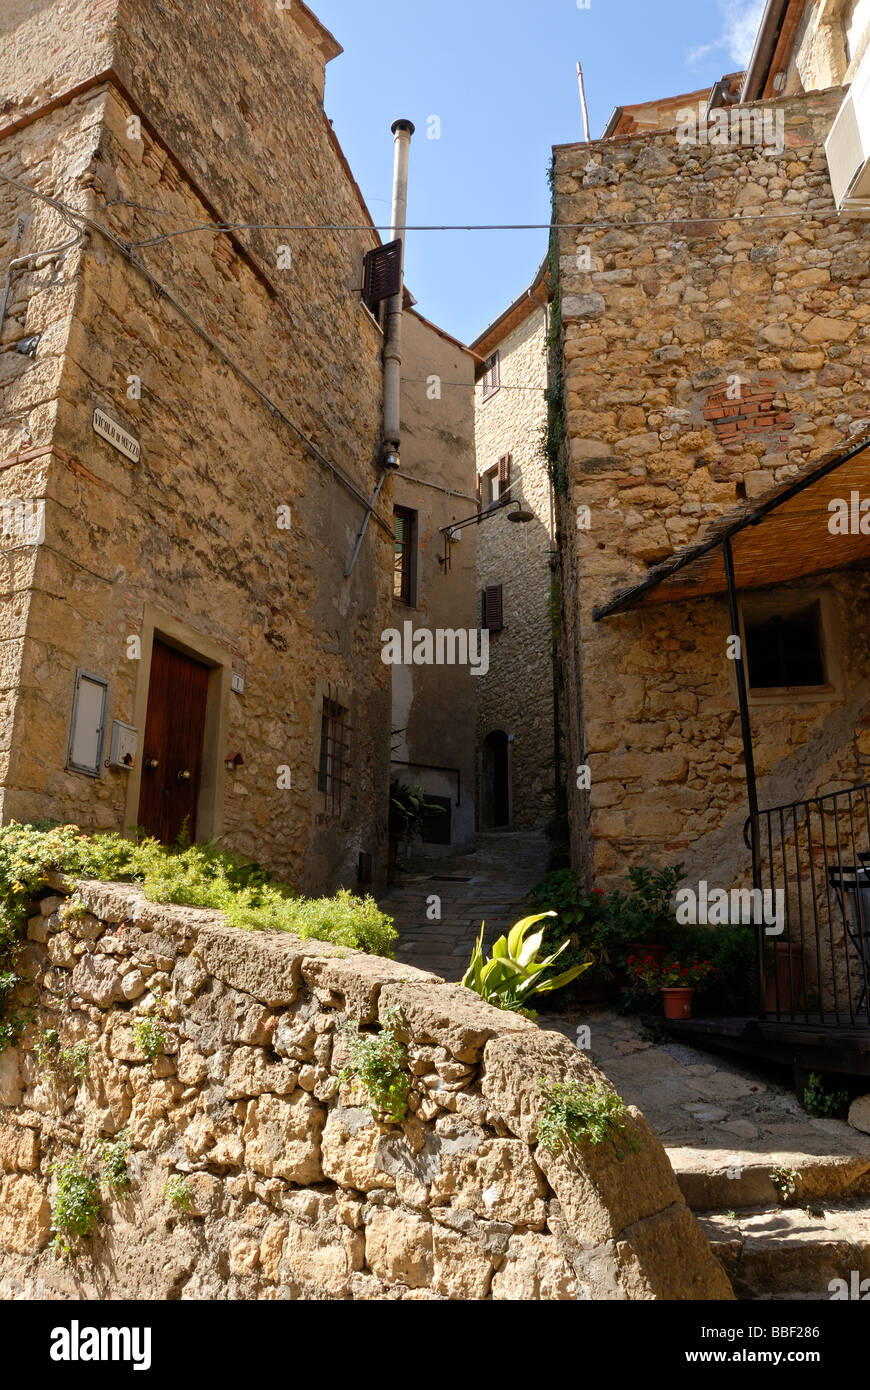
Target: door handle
[
  {"x": 150, "y": 764},
  {"x": 183, "y": 776}
]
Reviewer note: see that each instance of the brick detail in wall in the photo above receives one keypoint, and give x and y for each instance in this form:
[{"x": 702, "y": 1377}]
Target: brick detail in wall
[{"x": 755, "y": 412}]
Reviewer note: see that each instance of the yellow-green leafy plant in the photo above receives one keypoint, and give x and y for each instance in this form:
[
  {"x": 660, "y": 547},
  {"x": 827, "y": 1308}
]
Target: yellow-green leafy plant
[
  {"x": 378, "y": 1062},
  {"x": 148, "y": 1035},
  {"x": 75, "y": 1210},
  {"x": 573, "y": 1114},
  {"x": 514, "y": 974},
  {"x": 178, "y": 1192}
]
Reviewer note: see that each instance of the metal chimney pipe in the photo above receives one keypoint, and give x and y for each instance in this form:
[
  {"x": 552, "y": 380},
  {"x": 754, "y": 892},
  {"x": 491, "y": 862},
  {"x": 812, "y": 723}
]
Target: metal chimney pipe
[{"x": 402, "y": 131}]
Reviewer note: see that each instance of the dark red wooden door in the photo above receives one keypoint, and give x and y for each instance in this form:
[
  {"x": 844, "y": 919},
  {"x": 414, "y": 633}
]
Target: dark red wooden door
[{"x": 172, "y": 747}]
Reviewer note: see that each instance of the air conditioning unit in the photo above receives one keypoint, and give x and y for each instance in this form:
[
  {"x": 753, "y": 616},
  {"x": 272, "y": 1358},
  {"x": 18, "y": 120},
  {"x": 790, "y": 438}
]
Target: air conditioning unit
[{"x": 848, "y": 147}]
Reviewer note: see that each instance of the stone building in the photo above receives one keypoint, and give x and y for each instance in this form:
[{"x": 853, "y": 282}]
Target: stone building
[
  {"x": 806, "y": 46},
  {"x": 744, "y": 277},
  {"x": 434, "y": 583},
  {"x": 714, "y": 373},
  {"x": 195, "y": 422},
  {"x": 516, "y": 734}
]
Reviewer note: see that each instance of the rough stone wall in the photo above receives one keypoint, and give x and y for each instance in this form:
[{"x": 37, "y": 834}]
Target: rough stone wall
[
  {"x": 48, "y": 157},
  {"x": 296, "y": 1190},
  {"x": 434, "y": 706},
  {"x": 517, "y": 694},
  {"x": 191, "y": 532},
  {"x": 651, "y": 334},
  {"x": 829, "y": 42}
]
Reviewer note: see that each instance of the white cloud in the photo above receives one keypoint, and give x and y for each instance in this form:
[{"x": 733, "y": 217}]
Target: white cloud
[{"x": 739, "y": 21}]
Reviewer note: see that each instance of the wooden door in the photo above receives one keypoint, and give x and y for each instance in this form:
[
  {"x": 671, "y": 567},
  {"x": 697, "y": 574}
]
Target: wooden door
[{"x": 172, "y": 747}]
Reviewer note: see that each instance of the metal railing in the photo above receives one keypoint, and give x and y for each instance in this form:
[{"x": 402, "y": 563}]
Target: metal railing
[{"x": 813, "y": 858}]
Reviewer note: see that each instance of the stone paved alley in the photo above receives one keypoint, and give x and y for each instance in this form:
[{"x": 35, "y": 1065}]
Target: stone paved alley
[{"x": 726, "y": 1126}]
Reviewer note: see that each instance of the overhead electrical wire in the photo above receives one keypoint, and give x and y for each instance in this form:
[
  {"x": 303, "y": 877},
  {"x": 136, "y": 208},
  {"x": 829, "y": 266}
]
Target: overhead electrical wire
[
  {"x": 68, "y": 214},
  {"x": 460, "y": 227}
]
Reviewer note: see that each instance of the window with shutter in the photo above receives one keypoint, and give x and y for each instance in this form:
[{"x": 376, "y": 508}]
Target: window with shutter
[
  {"x": 492, "y": 376},
  {"x": 382, "y": 274},
  {"x": 504, "y": 475},
  {"x": 405, "y": 555},
  {"x": 493, "y": 610}
]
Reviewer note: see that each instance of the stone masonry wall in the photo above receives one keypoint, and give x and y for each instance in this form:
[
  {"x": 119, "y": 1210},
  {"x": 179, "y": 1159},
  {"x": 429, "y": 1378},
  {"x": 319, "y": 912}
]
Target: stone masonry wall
[
  {"x": 668, "y": 312},
  {"x": 49, "y": 158},
  {"x": 191, "y": 531},
  {"x": 517, "y": 693},
  {"x": 296, "y": 1189}
]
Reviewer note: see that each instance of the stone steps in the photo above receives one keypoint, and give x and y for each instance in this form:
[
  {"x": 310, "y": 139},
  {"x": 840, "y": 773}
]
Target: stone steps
[
  {"x": 792, "y": 1252},
  {"x": 743, "y": 1178}
]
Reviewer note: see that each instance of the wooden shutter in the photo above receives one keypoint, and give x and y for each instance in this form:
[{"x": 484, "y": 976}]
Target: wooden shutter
[
  {"x": 492, "y": 376},
  {"x": 504, "y": 475},
  {"x": 479, "y": 499},
  {"x": 382, "y": 273},
  {"x": 493, "y": 611}
]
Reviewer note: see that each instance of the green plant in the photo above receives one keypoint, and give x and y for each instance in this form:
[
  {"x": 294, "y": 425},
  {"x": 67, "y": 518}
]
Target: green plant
[
  {"x": 148, "y": 1035},
  {"x": 785, "y": 1180},
  {"x": 513, "y": 974},
  {"x": 581, "y": 913},
  {"x": 72, "y": 910},
  {"x": 408, "y": 810},
  {"x": 815, "y": 1211},
  {"x": 821, "y": 1103},
  {"x": 75, "y": 1210},
  {"x": 574, "y": 1113},
  {"x": 553, "y": 436},
  {"x": 732, "y": 1215},
  {"x": 378, "y": 1063},
  {"x": 51, "y": 1057},
  {"x": 646, "y": 913},
  {"x": 201, "y": 875},
  {"x": 116, "y": 1174},
  {"x": 178, "y": 1193}
]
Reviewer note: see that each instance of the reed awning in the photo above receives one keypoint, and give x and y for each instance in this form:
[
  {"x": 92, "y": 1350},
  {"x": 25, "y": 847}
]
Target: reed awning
[{"x": 793, "y": 533}]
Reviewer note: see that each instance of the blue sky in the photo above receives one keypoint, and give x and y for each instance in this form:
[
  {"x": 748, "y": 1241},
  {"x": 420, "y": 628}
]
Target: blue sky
[{"x": 502, "y": 79}]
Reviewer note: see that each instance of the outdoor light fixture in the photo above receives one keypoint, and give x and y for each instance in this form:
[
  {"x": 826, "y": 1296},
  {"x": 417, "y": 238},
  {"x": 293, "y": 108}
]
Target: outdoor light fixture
[{"x": 521, "y": 516}]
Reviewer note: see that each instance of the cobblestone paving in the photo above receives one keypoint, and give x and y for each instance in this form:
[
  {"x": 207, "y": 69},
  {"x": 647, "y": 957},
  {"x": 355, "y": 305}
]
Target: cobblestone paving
[{"x": 487, "y": 886}]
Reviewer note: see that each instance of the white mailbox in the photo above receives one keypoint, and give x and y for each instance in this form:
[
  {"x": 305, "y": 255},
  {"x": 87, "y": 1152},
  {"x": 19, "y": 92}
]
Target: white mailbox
[{"x": 124, "y": 745}]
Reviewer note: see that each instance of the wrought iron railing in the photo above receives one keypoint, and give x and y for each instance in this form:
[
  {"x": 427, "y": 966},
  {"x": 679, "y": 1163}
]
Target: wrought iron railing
[{"x": 813, "y": 857}]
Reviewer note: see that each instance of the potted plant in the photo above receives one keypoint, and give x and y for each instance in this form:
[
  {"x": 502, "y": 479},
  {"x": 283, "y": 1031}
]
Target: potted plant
[
  {"x": 408, "y": 811},
  {"x": 674, "y": 980},
  {"x": 643, "y": 919}
]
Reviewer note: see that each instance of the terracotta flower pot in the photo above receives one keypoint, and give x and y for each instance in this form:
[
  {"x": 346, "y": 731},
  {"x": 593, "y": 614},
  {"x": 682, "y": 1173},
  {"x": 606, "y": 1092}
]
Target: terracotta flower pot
[{"x": 677, "y": 1000}]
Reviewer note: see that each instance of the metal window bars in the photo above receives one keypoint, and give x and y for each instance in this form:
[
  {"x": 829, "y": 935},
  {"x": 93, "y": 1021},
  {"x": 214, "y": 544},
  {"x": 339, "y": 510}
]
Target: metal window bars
[{"x": 333, "y": 777}]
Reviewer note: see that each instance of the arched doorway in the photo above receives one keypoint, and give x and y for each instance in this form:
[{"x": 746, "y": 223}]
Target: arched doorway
[{"x": 495, "y": 799}]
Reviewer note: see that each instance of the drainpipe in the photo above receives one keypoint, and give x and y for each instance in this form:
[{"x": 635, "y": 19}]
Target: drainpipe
[
  {"x": 402, "y": 130},
  {"x": 762, "y": 54}
]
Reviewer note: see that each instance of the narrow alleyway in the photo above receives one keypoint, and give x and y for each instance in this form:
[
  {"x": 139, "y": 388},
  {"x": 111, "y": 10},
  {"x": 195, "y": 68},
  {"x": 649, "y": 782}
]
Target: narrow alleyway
[{"x": 488, "y": 886}]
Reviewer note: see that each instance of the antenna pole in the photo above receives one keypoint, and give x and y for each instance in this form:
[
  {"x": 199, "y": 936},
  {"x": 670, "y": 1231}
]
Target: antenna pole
[{"x": 583, "y": 107}]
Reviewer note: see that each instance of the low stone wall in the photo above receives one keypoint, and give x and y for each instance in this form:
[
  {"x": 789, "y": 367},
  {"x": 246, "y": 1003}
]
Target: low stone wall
[{"x": 295, "y": 1189}]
